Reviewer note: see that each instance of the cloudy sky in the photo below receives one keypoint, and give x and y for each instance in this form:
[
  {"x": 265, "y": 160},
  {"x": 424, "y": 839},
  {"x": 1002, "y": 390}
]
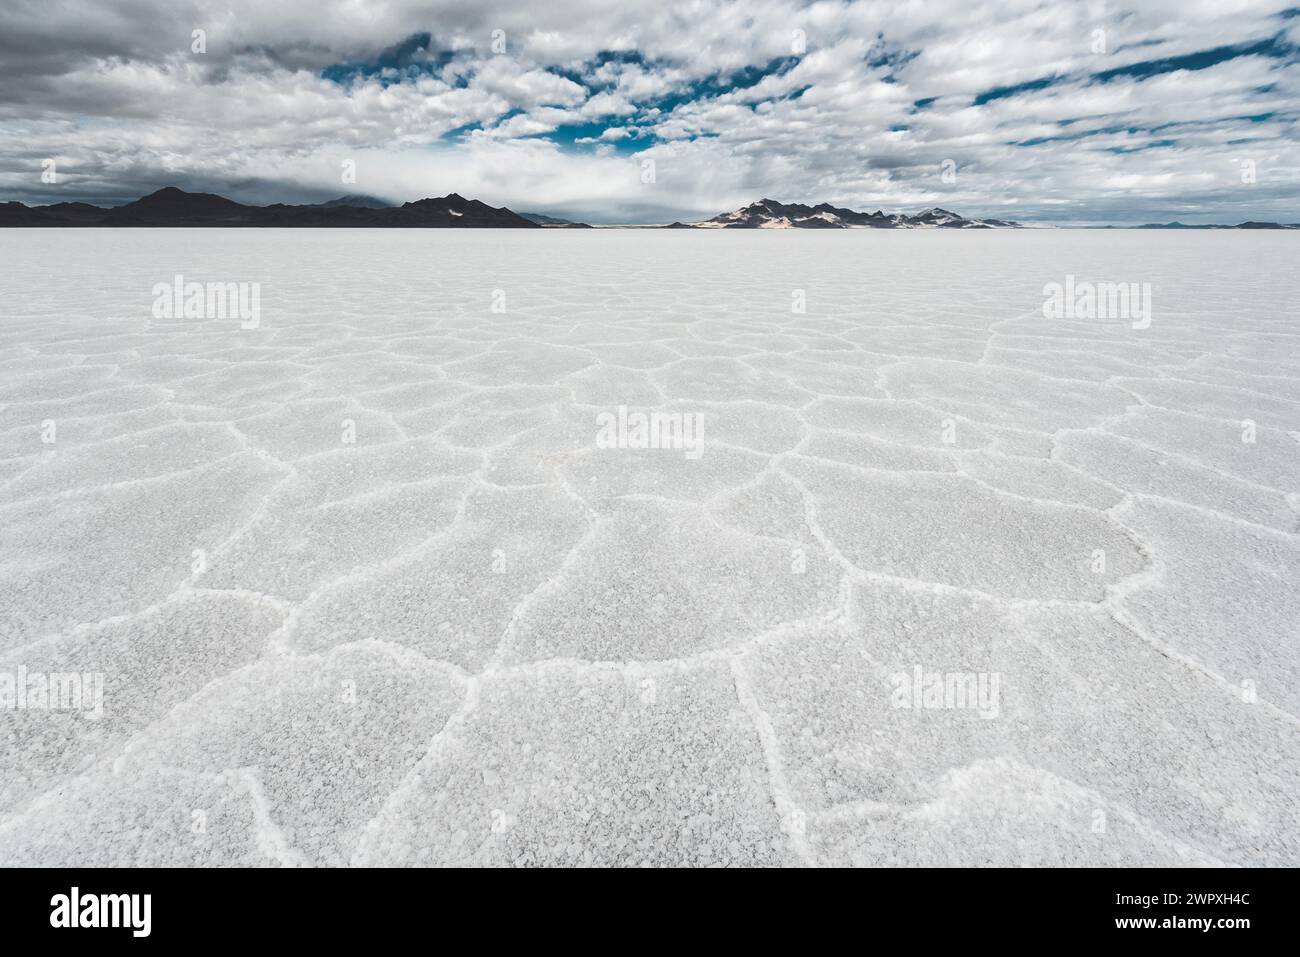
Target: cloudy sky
[{"x": 1068, "y": 112}]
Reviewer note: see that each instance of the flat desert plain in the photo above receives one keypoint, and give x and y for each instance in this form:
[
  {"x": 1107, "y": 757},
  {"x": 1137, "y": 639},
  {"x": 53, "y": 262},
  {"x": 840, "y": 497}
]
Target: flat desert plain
[{"x": 650, "y": 547}]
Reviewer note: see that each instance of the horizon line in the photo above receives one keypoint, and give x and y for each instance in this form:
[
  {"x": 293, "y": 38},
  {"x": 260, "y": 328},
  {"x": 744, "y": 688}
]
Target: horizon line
[{"x": 334, "y": 202}]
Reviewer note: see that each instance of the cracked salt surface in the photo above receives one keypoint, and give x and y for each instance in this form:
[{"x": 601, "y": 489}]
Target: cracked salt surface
[{"x": 363, "y": 586}]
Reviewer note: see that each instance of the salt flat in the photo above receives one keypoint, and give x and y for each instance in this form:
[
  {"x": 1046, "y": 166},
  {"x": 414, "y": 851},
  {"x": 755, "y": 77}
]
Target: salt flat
[{"x": 363, "y": 584}]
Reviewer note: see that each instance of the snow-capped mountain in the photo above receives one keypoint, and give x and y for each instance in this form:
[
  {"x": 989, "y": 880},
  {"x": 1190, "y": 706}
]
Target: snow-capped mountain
[{"x": 770, "y": 214}]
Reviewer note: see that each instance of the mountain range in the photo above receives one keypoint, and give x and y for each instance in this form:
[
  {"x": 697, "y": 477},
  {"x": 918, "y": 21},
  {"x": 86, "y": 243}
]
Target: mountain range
[
  {"x": 175, "y": 207},
  {"x": 770, "y": 214},
  {"x": 1246, "y": 225}
]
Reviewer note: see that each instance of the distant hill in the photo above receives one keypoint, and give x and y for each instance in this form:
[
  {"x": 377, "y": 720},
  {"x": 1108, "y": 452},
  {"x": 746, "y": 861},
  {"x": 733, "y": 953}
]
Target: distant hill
[
  {"x": 1246, "y": 225},
  {"x": 175, "y": 207},
  {"x": 553, "y": 222},
  {"x": 771, "y": 214},
  {"x": 356, "y": 200}
]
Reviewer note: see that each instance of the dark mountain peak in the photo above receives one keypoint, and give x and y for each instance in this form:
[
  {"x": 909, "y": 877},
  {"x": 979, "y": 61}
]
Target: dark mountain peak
[
  {"x": 444, "y": 202},
  {"x": 172, "y": 194},
  {"x": 171, "y": 198},
  {"x": 72, "y": 208},
  {"x": 455, "y": 210},
  {"x": 355, "y": 201}
]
